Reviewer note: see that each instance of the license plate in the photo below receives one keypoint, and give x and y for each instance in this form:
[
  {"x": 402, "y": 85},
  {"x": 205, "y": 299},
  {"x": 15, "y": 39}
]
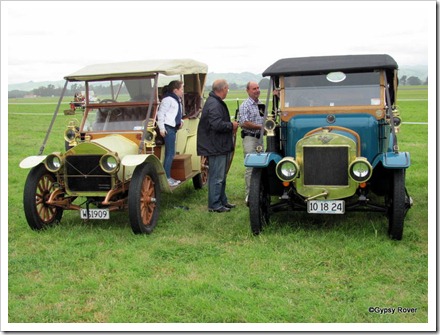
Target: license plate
[
  {"x": 326, "y": 206},
  {"x": 95, "y": 214}
]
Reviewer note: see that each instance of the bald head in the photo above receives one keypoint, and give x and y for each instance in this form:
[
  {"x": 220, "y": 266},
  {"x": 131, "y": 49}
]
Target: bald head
[
  {"x": 220, "y": 88},
  {"x": 253, "y": 90}
]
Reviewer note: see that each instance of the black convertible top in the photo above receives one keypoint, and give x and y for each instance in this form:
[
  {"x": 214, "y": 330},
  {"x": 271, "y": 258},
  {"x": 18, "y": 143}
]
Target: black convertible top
[{"x": 324, "y": 64}]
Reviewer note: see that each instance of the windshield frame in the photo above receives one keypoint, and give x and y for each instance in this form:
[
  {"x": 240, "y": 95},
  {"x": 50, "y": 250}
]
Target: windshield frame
[{"x": 287, "y": 111}]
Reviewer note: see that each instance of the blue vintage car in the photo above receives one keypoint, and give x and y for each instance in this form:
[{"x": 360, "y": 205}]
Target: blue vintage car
[{"x": 331, "y": 144}]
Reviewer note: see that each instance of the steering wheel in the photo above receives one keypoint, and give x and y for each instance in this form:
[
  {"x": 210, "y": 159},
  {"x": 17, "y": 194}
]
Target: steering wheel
[{"x": 107, "y": 101}]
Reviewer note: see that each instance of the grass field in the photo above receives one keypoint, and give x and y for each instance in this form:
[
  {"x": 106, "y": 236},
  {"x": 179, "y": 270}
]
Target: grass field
[{"x": 207, "y": 268}]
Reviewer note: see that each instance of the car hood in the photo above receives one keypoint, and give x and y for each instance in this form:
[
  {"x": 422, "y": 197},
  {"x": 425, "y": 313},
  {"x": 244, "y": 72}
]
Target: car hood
[{"x": 112, "y": 143}]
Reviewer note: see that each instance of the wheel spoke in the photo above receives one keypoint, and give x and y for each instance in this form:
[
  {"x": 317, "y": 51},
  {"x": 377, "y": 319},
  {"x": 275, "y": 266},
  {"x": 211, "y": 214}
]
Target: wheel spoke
[
  {"x": 44, "y": 187},
  {"x": 147, "y": 200}
]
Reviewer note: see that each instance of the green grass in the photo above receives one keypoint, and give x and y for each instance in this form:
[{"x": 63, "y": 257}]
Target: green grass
[{"x": 200, "y": 267}]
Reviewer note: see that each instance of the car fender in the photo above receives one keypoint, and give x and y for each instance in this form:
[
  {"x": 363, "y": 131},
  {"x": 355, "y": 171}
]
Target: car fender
[
  {"x": 261, "y": 160},
  {"x": 135, "y": 160},
  {"x": 31, "y": 161},
  {"x": 392, "y": 160}
]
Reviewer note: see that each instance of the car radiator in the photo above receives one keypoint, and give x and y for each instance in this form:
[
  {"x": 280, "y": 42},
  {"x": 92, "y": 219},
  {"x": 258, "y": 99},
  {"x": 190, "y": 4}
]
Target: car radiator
[
  {"x": 83, "y": 174},
  {"x": 324, "y": 165}
]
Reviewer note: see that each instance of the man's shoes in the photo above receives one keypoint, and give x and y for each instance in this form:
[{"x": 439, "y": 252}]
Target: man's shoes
[
  {"x": 228, "y": 205},
  {"x": 220, "y": 210}
]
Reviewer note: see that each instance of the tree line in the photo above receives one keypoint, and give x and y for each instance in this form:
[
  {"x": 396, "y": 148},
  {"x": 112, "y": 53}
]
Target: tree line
[{"x": 51, "y": 90}]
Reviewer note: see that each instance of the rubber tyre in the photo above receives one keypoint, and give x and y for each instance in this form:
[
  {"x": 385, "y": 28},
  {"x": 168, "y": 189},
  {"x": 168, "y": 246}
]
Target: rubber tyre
[
  {"x": 38, "y": 187},
  {"x": 144, "y": 199},
  {"x": 201, "y": 179},
  {"x": 259, "y": 201},
  {"x": 396, "y": 211}
]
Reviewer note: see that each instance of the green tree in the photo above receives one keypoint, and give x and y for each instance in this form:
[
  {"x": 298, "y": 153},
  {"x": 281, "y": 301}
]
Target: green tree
[
  {"x": 402, "y": 80},
  {"x": 414, "y": 81}
]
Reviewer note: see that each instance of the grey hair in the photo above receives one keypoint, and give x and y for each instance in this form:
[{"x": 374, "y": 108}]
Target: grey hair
[{"x": 219, "y": 85}]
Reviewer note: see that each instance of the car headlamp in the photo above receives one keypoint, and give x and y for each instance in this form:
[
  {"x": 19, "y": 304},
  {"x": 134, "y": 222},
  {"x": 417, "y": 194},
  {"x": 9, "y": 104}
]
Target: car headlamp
[
  {"x": 109, "y": 163},
  {"x": 269, "y": 126},
  {"x": 150, "y": 136},
  {"x": 360, "y": 170},
  {"x": 72, "y": 133},
  {"x": 53, "y": 162},
  {"x": 69, "y": 135},
  {"x": 287, "y": 169},
  {"x": 397, "y": 121}
]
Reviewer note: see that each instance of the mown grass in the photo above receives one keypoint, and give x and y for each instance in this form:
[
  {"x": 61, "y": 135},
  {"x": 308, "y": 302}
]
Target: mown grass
[{"x": 200, "y": 267}]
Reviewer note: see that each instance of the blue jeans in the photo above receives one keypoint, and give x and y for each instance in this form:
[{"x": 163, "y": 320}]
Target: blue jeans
[
  {"x": 170, "y": 149},
  {"x": 217, "y": 181}
]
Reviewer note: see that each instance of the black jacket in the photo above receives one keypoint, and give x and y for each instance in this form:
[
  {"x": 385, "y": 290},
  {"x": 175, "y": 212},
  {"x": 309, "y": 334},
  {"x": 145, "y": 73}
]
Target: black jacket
[{"x": 214, "y": 134}]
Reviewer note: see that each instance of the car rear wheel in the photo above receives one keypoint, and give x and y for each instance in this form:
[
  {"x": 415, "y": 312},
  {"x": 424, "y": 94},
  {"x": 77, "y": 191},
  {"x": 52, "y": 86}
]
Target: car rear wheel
[
  {"x": 259, "y": 201},
  {"x": 397, "y": 209},
  {"x": 40, "y": 183},
  {"x": 144, "y": 199},
  {"x": 201, "y": 179}
]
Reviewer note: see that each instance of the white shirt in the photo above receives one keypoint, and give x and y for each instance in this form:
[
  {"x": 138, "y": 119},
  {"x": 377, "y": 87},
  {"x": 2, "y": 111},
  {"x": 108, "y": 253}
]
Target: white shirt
[{"x": 167, "y": 112}]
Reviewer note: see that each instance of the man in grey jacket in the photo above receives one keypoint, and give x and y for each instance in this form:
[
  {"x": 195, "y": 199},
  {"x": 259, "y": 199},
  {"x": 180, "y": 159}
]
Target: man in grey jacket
[{"x": 215, "y": 141}]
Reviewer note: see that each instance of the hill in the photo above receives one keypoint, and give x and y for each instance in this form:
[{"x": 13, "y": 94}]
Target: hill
[{"x": 240, "y": 79}]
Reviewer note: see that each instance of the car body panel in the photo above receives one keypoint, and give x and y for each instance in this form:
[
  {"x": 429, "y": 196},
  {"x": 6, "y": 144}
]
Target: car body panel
[
  {"x": 262, "y": 159},
  {"x": 364, "y": 125},
  {"x": 392, "y": 160}
]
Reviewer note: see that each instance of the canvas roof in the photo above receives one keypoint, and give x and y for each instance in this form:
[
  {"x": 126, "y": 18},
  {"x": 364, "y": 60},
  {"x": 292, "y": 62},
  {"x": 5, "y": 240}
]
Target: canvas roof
[
  {"x": 138, "y": 69},
  {"x": 323, "y": 64}
]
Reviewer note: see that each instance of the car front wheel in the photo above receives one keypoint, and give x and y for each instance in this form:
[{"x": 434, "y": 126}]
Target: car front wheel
[
  {"x": 144, "y": 199},
  {"x": 40, "y": 183},
  {"x": 259, "y": 201}
]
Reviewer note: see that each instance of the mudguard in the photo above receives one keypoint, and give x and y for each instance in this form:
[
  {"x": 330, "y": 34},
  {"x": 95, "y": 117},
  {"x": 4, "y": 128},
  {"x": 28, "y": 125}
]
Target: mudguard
[
  {"x": 392, "y": 160},
  {"x": 31, "y": 161},
  {"x": 261, "y": 160},
  {"x": 135, "y": 160}
]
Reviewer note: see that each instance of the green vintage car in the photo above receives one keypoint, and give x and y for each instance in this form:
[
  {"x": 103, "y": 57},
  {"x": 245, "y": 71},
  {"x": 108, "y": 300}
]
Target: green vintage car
[
  {"x": 114, "y": 156},
  {"x": 331, "y": 141}
]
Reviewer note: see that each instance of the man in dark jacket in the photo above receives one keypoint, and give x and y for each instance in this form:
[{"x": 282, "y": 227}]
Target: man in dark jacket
[{"x": 215, "y": 141}]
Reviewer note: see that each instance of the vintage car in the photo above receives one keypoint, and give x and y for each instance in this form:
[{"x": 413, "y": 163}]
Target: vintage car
[
  {"x": 331, "y": 144},
  {"x": 114, "y": 155}
]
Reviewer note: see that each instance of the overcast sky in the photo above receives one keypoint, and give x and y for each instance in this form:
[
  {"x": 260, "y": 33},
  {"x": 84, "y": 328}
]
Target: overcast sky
[{"x": 48, "y": 40}]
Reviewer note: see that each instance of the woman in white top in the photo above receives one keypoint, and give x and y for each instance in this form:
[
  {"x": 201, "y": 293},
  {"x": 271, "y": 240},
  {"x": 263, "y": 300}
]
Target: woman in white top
[{"x": 169, "y": 120}]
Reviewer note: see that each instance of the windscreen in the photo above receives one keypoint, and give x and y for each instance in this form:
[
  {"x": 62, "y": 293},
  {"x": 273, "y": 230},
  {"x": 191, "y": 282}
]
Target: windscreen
[
  {"x": 333, "y": 89},
  {"x": 125, "y": 90}
]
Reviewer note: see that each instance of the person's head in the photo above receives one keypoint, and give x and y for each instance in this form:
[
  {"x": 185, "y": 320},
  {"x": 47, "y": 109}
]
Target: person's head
[
  {"x": 175, "y": 86},
  {"x": 221, "y": 88},
  {"x": 253, "y": 90}
]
